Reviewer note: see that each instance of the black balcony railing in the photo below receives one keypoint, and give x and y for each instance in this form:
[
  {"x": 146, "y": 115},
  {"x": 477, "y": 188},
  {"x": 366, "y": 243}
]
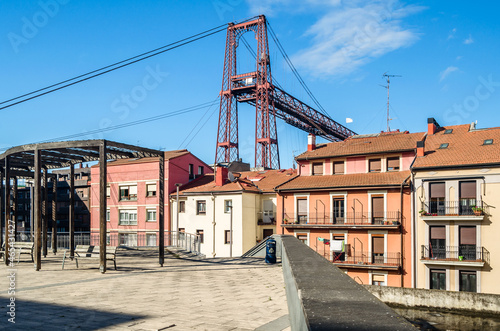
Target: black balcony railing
[
  {"x": 455, "y": 253},
  {"x": 365, "y": 258},
  {"x": 464, "y": 207},
  {"x": 350, "y": 218}
]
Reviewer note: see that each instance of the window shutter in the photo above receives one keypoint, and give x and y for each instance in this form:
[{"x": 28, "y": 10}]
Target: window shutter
[
  {"x": 302, "y": 206},
  {"x": 132, "y": 190},
  {"x": 378, "y": 245},
  {"x": 437, "y": 190},
  {"x": 268, "y": 205},
  {"x": 393, "y": 163},
  {"x": 468, "y": 190},
  {"x": 467, "y": 235},
  {"x": 378, "y": 278},
  {"x": 338, "y": 168},
  {"x": 317, "y": 168},
  {"x": 375, "y": 165},
  {"x": 378, "y": 206},
  {"x": 151, "y": 187},
  {"x": 438, "y": 232}
]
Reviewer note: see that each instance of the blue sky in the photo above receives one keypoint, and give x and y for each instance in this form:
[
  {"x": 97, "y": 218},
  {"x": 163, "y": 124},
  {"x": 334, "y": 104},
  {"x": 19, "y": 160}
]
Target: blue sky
[{"x": 446, "y": 52}]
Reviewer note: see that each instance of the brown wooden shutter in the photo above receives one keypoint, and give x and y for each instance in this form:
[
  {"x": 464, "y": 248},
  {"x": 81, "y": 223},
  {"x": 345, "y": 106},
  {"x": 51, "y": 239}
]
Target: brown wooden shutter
[
  {"x": 378, "y": 206},
  {"x": 378, "y": 278},
  {"x": 375, "y": 165},
  {"x": 468, "y": 190},
  {"x": 338, "y": 168},
  {"x": 317, "y": 169},
  {"x": 302, "y": 206},
  {"x": 438, "y": 232},
  {"x": 467, "y": 235},
  {"x": 378, "y": 245},
  {"x": 437, "y": 190},
  {"x": 393, "y": 163}
]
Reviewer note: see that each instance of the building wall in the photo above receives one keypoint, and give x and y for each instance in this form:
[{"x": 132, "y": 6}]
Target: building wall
[{"x": 487, "y": 229}]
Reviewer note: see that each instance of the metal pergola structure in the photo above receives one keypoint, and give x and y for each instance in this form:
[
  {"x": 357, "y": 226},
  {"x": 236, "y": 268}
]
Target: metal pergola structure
[{"x": 34, "y": 160}]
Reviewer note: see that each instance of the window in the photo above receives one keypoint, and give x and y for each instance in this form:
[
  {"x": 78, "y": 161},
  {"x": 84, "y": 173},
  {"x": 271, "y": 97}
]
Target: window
[
  {"x": 227, "y": 206},
  {"x": 437, "y": 244},
  {"x": 227, "y": 237},
  {"x": 467, "y": 247},
  {"x": 467, "y": 197},
  {"x": 302, "y": 211},
  {"x": 378, "y": 249},
  {"x": 200, "y": 234},
  {"x": 151, "y": 215},
  {"x": 128, "y": 239},
  {"x": 151, "y": 190},
  {"x": 200, "y": 170},
  {"x": 488, "y": 142},
  {"x": 317, "y": 169},
  {"x": 201, "y": 207},
  {"x": 268, "y": 211},
  {"x": 302, "y": 237},
  {"x": 378, "y": 280},
  {"x": 438, "y": 279},
  {"x": 182, "y": 206},
  {"x": 443, "y": 146},
  {"x": 374, "y": 165},
  {"x": 338, "y": 247},
  {"x": 468, "y": 281},
  {"x": 108, "y": 215},
  {"x": 393, "y": 163},
  {"x": 338, "y": 168},
  {"x": 150, "y": 239},
  {"x": 338, "y": 210},
  {"x": 128, "y": 217},
  {"x": 378, "y": 210},
  {"x": 128, "y": 192},
  {"x": 191, "y": 171},
  {"x": 108, "y": 191},
  {"x": 437, "y": 195},
  {"x": 448, "y": 131}
]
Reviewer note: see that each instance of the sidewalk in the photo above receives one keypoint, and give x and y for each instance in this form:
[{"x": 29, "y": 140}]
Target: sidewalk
[{"x": 188, "y": 293}]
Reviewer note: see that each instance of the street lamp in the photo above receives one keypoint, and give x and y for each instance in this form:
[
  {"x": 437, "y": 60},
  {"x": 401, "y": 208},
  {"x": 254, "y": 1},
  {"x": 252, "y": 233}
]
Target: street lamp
[{"x": 177, "y": 185}]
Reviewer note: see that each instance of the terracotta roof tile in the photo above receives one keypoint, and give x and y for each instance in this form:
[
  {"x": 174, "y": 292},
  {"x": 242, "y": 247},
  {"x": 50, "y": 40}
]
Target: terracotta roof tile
[
  {"x": 346, "y": 181},
  {"x": 366, "y": 144},
  {"x": 168, "y": 155},
  {"x": 465, "y": 147}
]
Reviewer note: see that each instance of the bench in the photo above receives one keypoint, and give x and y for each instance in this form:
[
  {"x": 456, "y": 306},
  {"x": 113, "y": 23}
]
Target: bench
[
  {"x": 87, "y": 252},
  {"x": 20, "y": 247}
]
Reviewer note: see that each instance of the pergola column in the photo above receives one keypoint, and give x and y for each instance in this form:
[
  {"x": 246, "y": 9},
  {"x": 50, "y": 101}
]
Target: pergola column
[
  {"x": 54, "y": 215},
  {"x": 15, "y": 206},
  {"x": 1, "y": 206},
  {"x": 45, "y": 219},
  {"x": 161, "y": 208},
  {"x": 7, "y": 209},
  {"x": 71, "y": 210},
  {"x": 37, "y": 212},
  {"x": 102, "y": 205}
]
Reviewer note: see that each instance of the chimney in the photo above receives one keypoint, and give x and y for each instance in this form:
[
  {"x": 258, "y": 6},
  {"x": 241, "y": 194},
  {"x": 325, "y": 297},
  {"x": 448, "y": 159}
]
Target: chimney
[
  {"x": 311, "y": 142},
  {"x": 432, "y": 126},
  {"x": 420, "y": 148},
  {"x": 220, "y": 176}
]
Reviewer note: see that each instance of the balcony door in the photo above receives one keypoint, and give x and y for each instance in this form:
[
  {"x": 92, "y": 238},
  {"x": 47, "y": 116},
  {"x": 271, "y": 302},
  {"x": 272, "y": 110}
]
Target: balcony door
[
  {"x": 378, "y": 210},
  {"x": 377, "y": 249},
  {"x": 467, "y": 247},
  {"x": 437, "y": 196},
  {"x": 302, "y": 211},
  {"x": 268, "y": 215},
  {"x": 437, "y": 242},
  {"x": 467, "y": 197},
  {"x": 338, "y": 210}
]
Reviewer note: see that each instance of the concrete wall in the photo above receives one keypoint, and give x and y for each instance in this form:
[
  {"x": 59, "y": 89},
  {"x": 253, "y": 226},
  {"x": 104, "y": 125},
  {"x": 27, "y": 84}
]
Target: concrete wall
[
  {"x": 434, "y": 299},
  {"x": 322, "y": 297}
]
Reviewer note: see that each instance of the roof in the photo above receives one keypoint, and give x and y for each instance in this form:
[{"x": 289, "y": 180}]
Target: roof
[
  {"x": 366, "y": 144},
  {"x": 465, "y": 148},
  {"x": 374, "y": 179},
  {"x": 168, "y": 155},
  {"x": 246, "y": 181}
]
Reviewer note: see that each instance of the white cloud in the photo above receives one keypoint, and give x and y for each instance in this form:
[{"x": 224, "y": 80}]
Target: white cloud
[
  {"x": 469, "y": 40},
  {"x": 445, "y": 73},
  {"x": 452, "y": 34},
  {"x": 348, "y": 120}
]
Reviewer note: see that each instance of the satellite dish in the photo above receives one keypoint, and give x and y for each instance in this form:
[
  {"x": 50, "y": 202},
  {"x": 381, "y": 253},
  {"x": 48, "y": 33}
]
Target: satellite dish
[{"x": 231, "y": 177}]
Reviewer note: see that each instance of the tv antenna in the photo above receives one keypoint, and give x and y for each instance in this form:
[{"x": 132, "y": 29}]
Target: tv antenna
[{"x": 387, "y": 87}]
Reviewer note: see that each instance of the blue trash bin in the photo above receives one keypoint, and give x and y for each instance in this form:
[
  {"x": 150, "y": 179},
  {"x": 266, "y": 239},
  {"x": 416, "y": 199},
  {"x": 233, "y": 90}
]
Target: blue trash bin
[{"x": 271, "y": 251}]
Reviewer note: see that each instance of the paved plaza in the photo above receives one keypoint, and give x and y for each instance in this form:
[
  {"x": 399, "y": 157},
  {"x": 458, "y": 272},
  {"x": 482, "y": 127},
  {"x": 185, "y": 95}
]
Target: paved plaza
[{"x": 188, "y": 293}]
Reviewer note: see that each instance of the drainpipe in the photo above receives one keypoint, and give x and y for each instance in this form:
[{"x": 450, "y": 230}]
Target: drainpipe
[
  {"x": 213, "y": 225},
  {"x": 282, "y": 213},
  {"x": 401, "y": 231},
  {"x": 413, "y": 235}
]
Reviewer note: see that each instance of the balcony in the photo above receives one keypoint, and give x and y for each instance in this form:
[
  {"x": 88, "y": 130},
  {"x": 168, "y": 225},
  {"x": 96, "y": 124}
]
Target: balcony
[
  {"x": 449, "y": 210},
  {"x": 266, "y": 218},
  {"x": 365, "y": 260},
  {"x": 467, "y": 255},
  {"x": 346, "y": 220}
]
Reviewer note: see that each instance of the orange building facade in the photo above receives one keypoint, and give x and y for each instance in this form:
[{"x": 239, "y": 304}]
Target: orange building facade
[{"x": 351, "y": 203}]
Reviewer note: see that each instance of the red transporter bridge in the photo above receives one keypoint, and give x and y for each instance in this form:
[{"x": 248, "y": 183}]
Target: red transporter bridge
[{"x": 257, "y": 89}]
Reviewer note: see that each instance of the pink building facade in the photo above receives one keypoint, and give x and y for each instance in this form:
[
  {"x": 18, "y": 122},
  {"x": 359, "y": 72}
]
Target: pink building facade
[{"x": 132, "y": 205}]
